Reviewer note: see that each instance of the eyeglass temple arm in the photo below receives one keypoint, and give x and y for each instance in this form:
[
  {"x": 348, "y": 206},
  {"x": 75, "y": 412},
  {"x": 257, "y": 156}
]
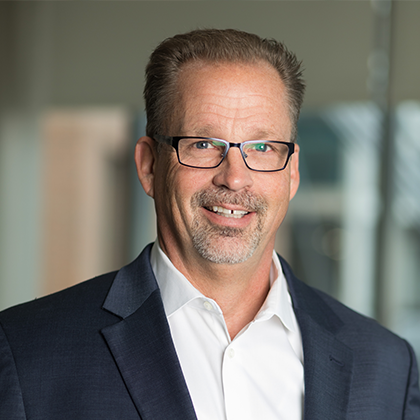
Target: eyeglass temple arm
[{"x": 163, "y": 139}]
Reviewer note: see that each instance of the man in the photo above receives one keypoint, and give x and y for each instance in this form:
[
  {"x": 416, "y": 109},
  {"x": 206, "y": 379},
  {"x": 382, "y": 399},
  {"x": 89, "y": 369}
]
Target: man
[{"x": 208, "y": 323}]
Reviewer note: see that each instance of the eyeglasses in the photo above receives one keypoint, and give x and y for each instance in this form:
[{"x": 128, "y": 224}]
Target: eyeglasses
[{"x": 208, "y": 153}]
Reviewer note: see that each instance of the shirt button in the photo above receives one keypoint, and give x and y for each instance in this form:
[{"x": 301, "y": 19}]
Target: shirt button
[
  {"x": 208, "y": 305},
  {"x": 231, "y": 353}
]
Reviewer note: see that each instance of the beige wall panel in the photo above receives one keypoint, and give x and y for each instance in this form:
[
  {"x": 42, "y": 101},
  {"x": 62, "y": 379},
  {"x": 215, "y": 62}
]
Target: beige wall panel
[{"x": 84, "y": 205}]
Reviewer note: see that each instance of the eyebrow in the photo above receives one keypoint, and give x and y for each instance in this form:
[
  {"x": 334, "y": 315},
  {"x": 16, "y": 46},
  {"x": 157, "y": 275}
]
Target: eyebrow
[
  {"x": 208, "y": 130},
  {"x": 205, "y": 131}
]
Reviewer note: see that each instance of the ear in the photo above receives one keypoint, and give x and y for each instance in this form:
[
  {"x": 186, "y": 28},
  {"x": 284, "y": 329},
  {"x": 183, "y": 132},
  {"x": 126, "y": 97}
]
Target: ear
[
  {"x": 145, "y": 158},
  {"x": 294, "y": 172}
]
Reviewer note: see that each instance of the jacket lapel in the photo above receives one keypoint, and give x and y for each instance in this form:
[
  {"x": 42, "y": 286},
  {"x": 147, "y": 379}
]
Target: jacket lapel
[
  {"x": 328, "y": 371},
  {"x": 328, "y": 361},
  {"x": 142, "y": 346}
]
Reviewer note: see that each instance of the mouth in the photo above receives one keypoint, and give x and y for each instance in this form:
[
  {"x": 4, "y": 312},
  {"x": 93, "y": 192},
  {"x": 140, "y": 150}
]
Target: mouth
[{"x": 221, "y": 211}]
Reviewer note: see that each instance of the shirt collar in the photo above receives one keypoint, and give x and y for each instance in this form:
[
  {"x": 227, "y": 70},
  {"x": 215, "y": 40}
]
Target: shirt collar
[
  {"x": 177, "y": 291},
  {"x": 278, "y": 301}
]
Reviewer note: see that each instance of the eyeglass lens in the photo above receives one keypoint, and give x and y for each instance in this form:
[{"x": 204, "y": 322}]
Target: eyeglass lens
[{"x": 259, "y": 154}]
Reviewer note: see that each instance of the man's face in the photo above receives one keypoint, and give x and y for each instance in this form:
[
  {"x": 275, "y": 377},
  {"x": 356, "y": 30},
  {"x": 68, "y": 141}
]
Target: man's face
[{"x": 234, "y": 102}]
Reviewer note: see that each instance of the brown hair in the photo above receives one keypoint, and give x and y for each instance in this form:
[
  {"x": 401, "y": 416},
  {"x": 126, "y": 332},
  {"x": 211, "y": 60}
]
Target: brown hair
[{"x": 214, "y": 45}]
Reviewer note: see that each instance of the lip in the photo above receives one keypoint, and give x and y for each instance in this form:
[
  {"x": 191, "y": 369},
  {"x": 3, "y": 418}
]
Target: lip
[
  {"x": 226, "y": 212},
  {"x": 229, "y": 207},
  {"x": 219, "y": 219}
]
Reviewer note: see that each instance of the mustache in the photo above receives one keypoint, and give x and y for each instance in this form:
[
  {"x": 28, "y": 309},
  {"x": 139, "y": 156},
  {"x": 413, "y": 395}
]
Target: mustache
[{"x": 249, "y": 201}]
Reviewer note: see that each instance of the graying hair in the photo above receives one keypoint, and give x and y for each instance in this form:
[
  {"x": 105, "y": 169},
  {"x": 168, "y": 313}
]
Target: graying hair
[{"x": 214, "y": 45}]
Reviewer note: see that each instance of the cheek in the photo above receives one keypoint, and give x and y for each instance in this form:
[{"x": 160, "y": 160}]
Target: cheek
[
  {"x": 277, "y": 194},
  {"x": 177, "y": 184},
  {"x": 185, "y": 182},
  {"x": 164, "y": 186}
]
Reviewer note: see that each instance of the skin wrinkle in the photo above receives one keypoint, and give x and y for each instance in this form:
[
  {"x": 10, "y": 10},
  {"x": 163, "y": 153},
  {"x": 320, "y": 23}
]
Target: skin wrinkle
[
  {"x": 220, "y": 103},
  {"x": 207, "y": 103},
  {"x": 208, "y": 130},
  {"x": 227, "y": 113},
  {"x": 215, "y": 111}
]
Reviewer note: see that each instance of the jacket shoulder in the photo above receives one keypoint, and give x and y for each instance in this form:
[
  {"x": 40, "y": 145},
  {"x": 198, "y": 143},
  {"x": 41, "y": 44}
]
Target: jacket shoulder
[
  {"x": 354, "y": 328},
  {"x": 84, "y": 297}
]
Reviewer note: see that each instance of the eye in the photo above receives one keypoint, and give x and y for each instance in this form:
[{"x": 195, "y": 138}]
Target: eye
[
  {"x": 260, "y": 147},
  {"x": 208, "y": 144},
  {"x": 202, "y": 144}
]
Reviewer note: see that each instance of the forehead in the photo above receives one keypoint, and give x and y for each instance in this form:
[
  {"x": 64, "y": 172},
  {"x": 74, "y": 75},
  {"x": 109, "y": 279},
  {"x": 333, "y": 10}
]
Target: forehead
[{"x": 232, "y": 98}]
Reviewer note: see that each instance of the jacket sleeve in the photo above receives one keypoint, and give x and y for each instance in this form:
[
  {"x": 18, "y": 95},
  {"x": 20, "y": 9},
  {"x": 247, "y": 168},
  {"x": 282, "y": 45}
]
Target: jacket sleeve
[
  {"x": 412, "y": 401},
  {"x": 11, "y": 402}
]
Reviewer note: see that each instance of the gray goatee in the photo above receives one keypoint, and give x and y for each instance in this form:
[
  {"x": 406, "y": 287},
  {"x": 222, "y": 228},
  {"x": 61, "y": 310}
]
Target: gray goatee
[{"x": 224, "y": 244}]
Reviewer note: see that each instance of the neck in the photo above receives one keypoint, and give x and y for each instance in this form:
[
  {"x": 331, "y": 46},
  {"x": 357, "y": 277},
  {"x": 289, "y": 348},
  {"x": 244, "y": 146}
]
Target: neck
[{"x": 239, "y": 289}]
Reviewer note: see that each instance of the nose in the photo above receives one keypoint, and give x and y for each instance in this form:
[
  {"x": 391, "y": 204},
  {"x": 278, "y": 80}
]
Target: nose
[{"x": 233, "y": 173}]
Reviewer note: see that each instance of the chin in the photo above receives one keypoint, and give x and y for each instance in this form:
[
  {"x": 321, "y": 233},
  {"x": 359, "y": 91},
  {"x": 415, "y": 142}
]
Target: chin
[{"x": 225, "y": 250}]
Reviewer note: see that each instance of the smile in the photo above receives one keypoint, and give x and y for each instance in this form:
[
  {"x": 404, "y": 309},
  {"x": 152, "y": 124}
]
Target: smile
[{"x": 237, "y": 214}]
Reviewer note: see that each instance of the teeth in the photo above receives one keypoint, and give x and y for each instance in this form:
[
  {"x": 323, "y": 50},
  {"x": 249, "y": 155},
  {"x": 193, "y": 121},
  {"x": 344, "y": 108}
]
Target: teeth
[{"x": 229, "y": 213}]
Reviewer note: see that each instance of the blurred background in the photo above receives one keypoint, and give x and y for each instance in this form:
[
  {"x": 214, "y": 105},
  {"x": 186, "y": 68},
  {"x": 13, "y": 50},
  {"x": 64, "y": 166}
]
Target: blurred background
[{"x": 71, "y": 110}]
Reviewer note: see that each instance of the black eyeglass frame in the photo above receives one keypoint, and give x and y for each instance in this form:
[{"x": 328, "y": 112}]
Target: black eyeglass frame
[{"x": 174, "y": 141}]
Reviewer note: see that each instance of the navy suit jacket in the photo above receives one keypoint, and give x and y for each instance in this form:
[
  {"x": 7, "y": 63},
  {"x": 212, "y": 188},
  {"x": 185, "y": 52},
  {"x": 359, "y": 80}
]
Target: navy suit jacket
[{"x": 102, "y": 350}]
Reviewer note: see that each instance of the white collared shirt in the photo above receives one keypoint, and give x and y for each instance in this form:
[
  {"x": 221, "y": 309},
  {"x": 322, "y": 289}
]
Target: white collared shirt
[{"x": 258, "y": 374}]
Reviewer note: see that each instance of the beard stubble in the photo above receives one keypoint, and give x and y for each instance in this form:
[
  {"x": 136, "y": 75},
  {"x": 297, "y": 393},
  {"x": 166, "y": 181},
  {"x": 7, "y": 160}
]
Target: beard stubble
[{"x": 225, "y": 244}]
